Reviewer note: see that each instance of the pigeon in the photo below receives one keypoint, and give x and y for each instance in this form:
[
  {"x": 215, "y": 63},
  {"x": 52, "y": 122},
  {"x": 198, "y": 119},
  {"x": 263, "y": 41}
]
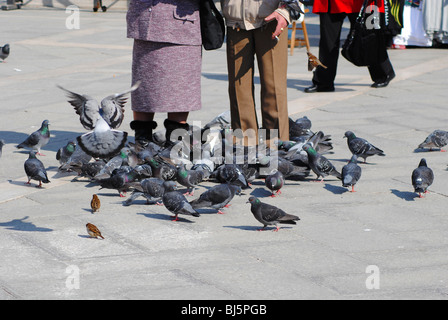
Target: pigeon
[
  {"x": 351, "y": 173},
  {"x": 102, "y": 142},
  {"x": 275, "y": 182},
  {"x": 90, "y": 169},
  {"x": 217, "y": 197},
  {"x": 113, "y": 163},
  {"x": 320, "y": 165},
  {"x": 162, "y": 169},
  {"x": 111, "y": 108},
  {"x": 177, "y": 204},
  {"x": 436, "y": 140},
  {"x": 2, "y": 143},
  {"x": 231, "y": 173},
  {"x": 152, "y": 189},
  {"x": 270, "y": 215},
  {"x": 422, "y": 177},
  {"x": 361, "y": 147},
  {"x": 4, "y": 52},
  {"x": 122, "y": 180},
  {"x": 189, "y": 178},
  {"x": 76, "y": 161},
  {"x": 95, "y": 203},
  {"x": 64, "y": 153},
  {"x": 38, "y": 139},
  {"x": 35, "y": 170},
  {"x": 93, "y": 231}
]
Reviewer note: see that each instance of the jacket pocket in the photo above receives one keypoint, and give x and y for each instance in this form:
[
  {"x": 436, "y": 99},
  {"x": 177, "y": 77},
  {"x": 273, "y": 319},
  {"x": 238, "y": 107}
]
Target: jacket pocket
[{"x": 184, "y": 16}]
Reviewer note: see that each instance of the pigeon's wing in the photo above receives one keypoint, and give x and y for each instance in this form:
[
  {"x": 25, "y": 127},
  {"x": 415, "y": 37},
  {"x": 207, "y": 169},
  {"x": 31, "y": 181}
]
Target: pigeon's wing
[
  {"x": 272, "y": 213},
  {"x": 113, "y": 107},
  {"x": 437, "y": 139},
  {"x": 31, "y": 140},
  {"x": 85, "y": 106}
]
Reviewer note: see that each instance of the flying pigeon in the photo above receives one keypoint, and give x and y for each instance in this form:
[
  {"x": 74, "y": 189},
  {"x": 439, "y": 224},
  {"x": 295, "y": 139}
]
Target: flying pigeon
[
  {"x": 422, "y": 177},
  {"x": 361, "y": 147},
  {"x": 102, "y": 142},
  {"x": 217, "y": 197},
  {"x": 176, "y": 203},
  {"x": 111, "y": 108},
  {"x": 320, "y": 165},
  {"x": 270, "y": 215},
  {"x": 351, "y": 173},
  {"x": 38, "y": 139},
  {"x": 35, "y": 170},
  {"x": 4, "y": 52},
  {"x": 189, "y": 178},
  {"x": 152, "y": 189},
  {"x": 436, "y": 140},
  {"x": 275, "y": 182}
]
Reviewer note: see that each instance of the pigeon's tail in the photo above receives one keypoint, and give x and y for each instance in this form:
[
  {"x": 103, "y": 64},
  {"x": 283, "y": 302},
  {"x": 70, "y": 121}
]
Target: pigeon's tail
[{"x": 289, "y": 219}]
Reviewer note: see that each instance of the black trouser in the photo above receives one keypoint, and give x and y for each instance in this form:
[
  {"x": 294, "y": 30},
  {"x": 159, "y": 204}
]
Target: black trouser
[{"x": 329, "y": 47}]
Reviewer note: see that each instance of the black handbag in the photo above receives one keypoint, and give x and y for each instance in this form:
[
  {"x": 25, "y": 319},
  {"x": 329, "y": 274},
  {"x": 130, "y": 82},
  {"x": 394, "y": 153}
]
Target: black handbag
[
  {"x": 212, "y": 25},
  {"x": 364, "y": 46}
]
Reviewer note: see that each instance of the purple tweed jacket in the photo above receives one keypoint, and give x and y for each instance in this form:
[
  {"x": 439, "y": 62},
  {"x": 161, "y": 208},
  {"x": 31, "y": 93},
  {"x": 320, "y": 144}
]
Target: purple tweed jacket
[{"x": 170, "y": 21}]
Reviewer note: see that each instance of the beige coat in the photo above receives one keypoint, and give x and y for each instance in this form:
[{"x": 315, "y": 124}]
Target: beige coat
[{"x": 250, "y": 14}]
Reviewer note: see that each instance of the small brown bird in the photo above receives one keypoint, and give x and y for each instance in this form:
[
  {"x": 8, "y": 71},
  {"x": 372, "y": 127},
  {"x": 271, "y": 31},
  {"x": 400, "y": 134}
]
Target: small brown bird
[
  {"x": 313, "y": 62},
  {"x": 95, "y": 204},
  {"x": 93, "y": 231}
]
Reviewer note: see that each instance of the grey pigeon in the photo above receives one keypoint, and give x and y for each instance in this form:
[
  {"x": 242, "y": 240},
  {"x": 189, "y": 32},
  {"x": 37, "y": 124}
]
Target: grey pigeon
[
  {"x": 275, "y": 182},
  {"x": 189, "y": 178},
  {"x": 122, "y": 180},
  {"x": 320, "y": 165},
  {"x": 111, "y": 108},
  {"x": 361, "y": 147},
  {"x": 102, "y": 142},
  {"x": 76, "y": 161},
  {"x": 152, "y": 189},
  {"x": 64, "y": 153},
  {"x": 351, "y": 173},
  {"x": 436, "y": 140},
  {"x": 4, "y": 52},
  {"x": 177, "y": 204},
  {"x": 162, "y": 169},
  {"x": 270, "y": 215},
  {"x": 38, "y": 139},
  {"x": 35, "y": 170},
  {"x": 231, "y": 173},
  {"x": 2, "y": 143},
  {"x": 422, "y": 177},
  {"x": 217, "y": 197},
  {"x": 114, "y": 163},
  {"x": 90, "y": 169}
]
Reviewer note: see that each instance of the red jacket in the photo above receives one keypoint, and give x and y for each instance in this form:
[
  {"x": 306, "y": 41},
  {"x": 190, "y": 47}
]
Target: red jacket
[{"x": 339, "y": 6}]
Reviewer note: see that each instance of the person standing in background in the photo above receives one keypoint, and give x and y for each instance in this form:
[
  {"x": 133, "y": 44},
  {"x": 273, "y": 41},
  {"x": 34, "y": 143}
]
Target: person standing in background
[
  {"x": 332, "y": 14},
  {"x": 167, "y": 58},
  {"x": 257, "y": 28}
]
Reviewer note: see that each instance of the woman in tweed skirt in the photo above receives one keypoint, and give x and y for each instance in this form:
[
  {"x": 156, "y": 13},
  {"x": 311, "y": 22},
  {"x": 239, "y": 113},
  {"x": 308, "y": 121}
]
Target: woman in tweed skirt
[{"x": 167, "y": 57}]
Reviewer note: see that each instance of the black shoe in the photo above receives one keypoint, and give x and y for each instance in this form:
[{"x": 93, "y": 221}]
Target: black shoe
[
  {"x": 383, "y": 83},
  {"x": 315, "y": 88}
]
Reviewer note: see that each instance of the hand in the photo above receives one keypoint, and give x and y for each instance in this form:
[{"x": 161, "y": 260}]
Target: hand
[{"x": 282, "y": 23}]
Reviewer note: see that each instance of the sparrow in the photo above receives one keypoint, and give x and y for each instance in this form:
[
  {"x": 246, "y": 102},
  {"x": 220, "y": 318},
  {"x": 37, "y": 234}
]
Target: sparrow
[
  {"x": 93, "y": 231},
  {"x": 313, "y": 62},
  {"x": 95, "y": 204}
]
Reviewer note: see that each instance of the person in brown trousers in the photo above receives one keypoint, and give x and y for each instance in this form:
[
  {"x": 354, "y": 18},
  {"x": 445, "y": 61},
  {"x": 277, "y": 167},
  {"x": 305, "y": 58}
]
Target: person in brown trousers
[
  {"x": 167, "y": 61},
  {"x": 257, "y": 28}
]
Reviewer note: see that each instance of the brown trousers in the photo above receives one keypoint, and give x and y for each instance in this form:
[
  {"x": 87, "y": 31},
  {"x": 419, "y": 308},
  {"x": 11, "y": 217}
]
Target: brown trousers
[{"x": 272, "y": 58}]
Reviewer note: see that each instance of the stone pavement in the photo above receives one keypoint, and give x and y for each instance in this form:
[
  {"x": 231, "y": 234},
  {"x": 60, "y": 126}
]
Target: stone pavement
[{"x": 341, "y": 238}]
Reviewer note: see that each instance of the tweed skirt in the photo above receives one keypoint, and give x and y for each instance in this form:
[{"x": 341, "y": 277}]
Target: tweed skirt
[{"x": 170, "y": 76}]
